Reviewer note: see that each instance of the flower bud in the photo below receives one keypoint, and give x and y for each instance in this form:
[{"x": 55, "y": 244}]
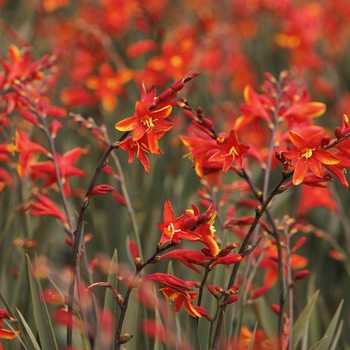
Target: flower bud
[
  {"x": 301, "y": 274},
  {"x": 338, "y": 132},
  {"x": 325, "y": 140},
  {"x": 275, "y": 308},
  {"x": 230, "y": 300},
  {"x": 178, "y": 85}
]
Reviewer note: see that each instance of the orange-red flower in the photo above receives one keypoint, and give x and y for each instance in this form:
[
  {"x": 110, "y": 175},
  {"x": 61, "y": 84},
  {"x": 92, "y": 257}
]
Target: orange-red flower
[
  {"x": 177, "y": 290},
  {"x": 146, "y": 122},
  {"x": 308, "y": 155},
  {"x": 44, "y": 206},
  {"x": 229, "y": 150},
  {"x": 6, "y": 333},
  {"x": 271, "y": 265},
  {"x": 172, "y": 228},
  {"x": 65, "y": 166},
  {"x": 109, "y": 84}
]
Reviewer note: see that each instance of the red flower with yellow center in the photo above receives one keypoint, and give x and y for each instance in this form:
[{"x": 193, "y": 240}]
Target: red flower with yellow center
[
  {"x": 146, "y": 122},
  {"x": 308, "y": 155}
]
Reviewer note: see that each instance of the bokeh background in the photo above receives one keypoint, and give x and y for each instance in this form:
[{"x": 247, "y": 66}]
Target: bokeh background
[{"x": 105, "y": 50}]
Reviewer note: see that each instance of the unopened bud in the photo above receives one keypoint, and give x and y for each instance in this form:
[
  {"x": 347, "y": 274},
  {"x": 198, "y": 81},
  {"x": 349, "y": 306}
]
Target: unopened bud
[
  {"x": 338, "y": 133},
  {"x": 119, "y": 299},
  {"x": 259, "y": 292},
  {"x": 166, "y": 95},
  {"x": 259, "y": 209},
  {"x": 301, "y": 274},
  {"x": 212, "y": 290},
  {"x": 230, "y": 300},
  {"x": 200, "y": 112},
  {"x": 178, "y": 85},
  {"x": 300, "y": 242},
  {"x": 325, "y": 140},
  {"x": 208, "y": 123},
  {"x": 125, "y": 338},
  {"x": 138, "y": 262},
  {"x": 275, "y": 308}
]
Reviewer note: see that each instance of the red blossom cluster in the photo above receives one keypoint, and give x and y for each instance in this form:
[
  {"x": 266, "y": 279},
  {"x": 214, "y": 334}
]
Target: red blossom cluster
[{"x": 237, "y": 150}]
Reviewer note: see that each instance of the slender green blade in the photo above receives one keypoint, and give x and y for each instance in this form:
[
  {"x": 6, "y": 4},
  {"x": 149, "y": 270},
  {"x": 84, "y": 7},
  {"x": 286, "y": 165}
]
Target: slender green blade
[
  {"x": 331, "y": 330},
  {"x": 41, "y": 315},
  {"x": 252, "y": 339},
  {"x": 29, "y": 331},
  {"x": 300, "y": 325},
  {"x": 192, "y": 335}
]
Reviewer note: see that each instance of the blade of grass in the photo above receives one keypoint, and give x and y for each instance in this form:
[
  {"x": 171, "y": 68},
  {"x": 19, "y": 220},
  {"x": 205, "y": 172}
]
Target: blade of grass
[
  {"x": 29, "y": 331},
  {"x": 337, "y": 336},
  {"x": 300, "y": 325},
  {"x": 251, "y": 342},
  {"x": 191, "y": 334},
  {"x": 41, "y": 315},
  {"x": 331, "y": 330}
]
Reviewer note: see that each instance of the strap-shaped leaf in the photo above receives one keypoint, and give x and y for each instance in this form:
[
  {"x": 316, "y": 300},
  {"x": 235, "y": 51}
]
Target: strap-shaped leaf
[
  {"x": 331, "y": 330},
  {"x": 29, "y": 331},
  {"x": 252, "y": 339},
  {"x": 41, "y": 315},
  {"x": 300, "y": 325},
  {"x": 192, "y": 335}
]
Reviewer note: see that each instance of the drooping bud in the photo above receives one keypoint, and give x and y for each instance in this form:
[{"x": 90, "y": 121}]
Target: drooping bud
[
  {"x": 259, "y": 292},
  {"x": 300, "y": 242},
  {"x": 230, "y": 300},
  {"x": 275, "y": 308},
  {"x": 338, "y": 132},
  {"x": 301, "y": 274},
  {"x": 325, "y": 140}
]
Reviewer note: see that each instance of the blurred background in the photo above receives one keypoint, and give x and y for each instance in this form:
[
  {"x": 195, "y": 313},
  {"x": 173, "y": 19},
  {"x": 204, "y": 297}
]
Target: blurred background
[{"x": 105, "y": 50}]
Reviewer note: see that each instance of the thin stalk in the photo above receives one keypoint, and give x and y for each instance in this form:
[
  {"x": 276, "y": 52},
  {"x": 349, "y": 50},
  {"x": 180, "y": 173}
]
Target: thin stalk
[
  {"x": 242, "y": 251},
  {"x": 78, "y": 234}
]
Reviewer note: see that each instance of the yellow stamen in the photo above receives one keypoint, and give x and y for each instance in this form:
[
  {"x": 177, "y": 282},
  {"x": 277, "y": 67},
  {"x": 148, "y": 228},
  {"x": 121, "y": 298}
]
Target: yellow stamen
[
  {"x": 148, "y": 121},
  {"x": 306, "y": 153}
]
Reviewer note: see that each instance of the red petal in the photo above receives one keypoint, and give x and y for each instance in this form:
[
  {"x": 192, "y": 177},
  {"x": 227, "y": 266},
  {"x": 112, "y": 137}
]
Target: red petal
[
  {"x": 325, "y": 157},
  {"x": 298, "y": 141},
  {"x": 300, "y": 171}
]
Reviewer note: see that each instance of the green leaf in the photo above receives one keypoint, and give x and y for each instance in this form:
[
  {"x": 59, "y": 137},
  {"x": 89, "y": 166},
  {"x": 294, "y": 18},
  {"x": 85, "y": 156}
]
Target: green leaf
[
  {"x": 29, "y": 331},
  {"x": 158, "y": 319},
  {"x": 300, "y": 325},
  {"x": 41, "y": 315},
  {"x": 192, "y": 335},
  {"x": 251, "y": 342},
  {"x": 331, "y": 330},
  {"x": 337, "y": 336},
  {"x": 109, "y": 302}
]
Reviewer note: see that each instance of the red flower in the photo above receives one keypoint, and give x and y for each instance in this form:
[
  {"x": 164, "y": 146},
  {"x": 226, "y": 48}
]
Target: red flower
[
  {"x": 229, "y": 150},
  {"x": 109, "y": 84},
  {"x": 140, "y": 148},
  {"x": 146, "y": 122},
  {"x": 6, "y": 333},
  {"x": 308, "y": 155},
  {"x": 256, "y": 107},
  {"x": 65, "y": 169},
  {"x": 44, "y": 206},
  {"x": 177, "y": 290},
  {"x": 172, "y": 228}
]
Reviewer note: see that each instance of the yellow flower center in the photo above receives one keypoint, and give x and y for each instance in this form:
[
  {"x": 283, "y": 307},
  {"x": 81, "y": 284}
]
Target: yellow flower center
[
  {"x": 176, "y": 60},
  {"x": 233, "y": 151},
  {"x": 170, "y": 231},
  {"x": 110, "y": 83},
  {"x": 148, "y": 121},
  {"x": 306, "y": 152}
]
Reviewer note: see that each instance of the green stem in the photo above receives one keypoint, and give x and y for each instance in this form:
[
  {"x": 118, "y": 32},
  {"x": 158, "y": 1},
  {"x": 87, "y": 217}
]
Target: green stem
[{"x": 259, "y": 213}]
